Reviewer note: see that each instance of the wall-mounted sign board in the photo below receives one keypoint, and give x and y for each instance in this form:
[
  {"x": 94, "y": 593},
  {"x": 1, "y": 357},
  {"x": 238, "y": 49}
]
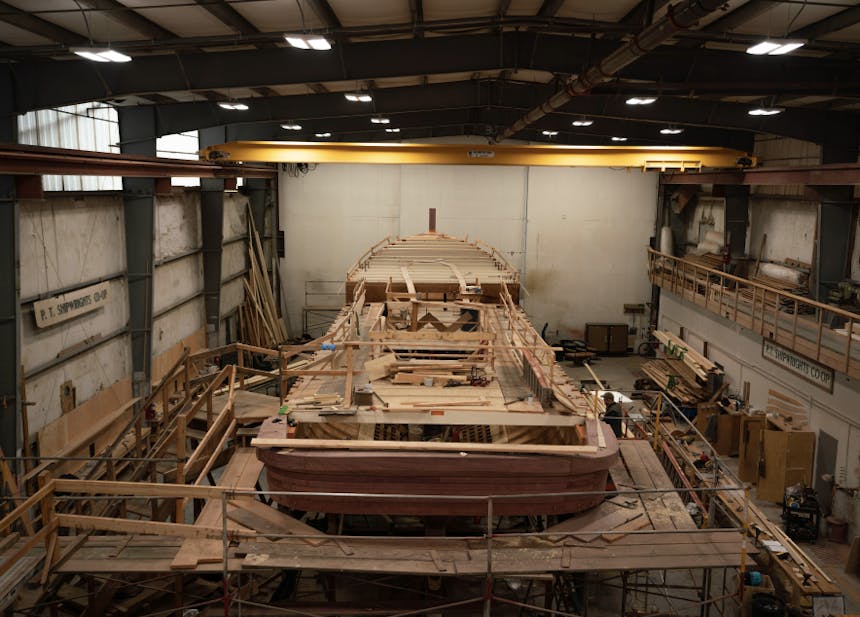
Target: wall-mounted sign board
[
  {"x": 801, "y": 366},
  {"x": 70, "y": 305}
]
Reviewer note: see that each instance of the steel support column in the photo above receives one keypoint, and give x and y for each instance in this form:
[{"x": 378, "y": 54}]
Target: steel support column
[
  {"x": 737, "y": 217},
  {"x": 10, "y": 292},
  {"x": 256, "y": 189},
  {"x": 835, "y": 217},
  {"x": 137, "y": 127},
  {"x": 212, "y": 226}
]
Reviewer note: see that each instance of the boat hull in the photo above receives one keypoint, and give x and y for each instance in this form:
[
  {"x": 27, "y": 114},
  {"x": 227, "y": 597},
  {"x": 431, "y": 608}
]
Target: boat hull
[{"x": 346, "y": 477}]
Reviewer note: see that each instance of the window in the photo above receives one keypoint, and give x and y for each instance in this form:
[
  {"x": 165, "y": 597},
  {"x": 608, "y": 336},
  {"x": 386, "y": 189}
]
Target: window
[{"x": 86, "y": 126}]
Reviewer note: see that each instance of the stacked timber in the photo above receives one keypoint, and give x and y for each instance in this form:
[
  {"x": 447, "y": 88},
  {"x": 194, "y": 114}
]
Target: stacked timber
[
  {"x": 714, "y": 261},
  {"x": 786, "y": 412},
  {"x": 675, "y": 347},
  {"x": 434, "y": 372},
  {"x": 259, "y": 321},
  {"x": 683, "y": 373},
  {"x": 677, "y": 379}
]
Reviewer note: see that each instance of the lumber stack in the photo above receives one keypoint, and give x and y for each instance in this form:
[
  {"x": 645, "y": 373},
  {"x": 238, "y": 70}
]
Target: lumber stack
[
  {"x": 677, "y": 379},
  {"x": 788, "y": 412},
  {"x": 676, "y": 348},
  {"x": 714, "y": 261},
  {"x": 259, "y": 321},
  {"x": 441, "y": 372}
]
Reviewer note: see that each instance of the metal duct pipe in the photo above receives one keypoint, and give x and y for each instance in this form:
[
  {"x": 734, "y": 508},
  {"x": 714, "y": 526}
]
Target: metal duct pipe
[{"x": 676, "y": 19}]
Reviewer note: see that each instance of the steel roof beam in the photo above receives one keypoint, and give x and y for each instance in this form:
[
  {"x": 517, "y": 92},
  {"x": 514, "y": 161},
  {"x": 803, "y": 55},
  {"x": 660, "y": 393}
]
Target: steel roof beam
[
  {"x": 549, "y": 8},
  {"x": 51, "y": 84},
  {"x": 129, "y": 18},
  {"x": 416, "y": 8},
  {"x": 833, "y": 23},
  {"x": 229, "y": 16},
  {"x": 796, "y": 123},
  {"x": 37, "y": 25},
  {"x": 324, "y": 11}
]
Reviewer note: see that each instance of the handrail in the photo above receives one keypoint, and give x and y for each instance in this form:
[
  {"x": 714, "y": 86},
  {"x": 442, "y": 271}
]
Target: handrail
[
  {"x": 763, "y": 309},
  {"x": 367, "y": 254},
  {"x": 738, "y": 279}
]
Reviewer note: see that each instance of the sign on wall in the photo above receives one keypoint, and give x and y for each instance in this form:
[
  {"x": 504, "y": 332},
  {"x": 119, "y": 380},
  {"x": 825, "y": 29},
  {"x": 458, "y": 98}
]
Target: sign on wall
[
  {"x": 802, "y": 366},
  {"x": 70, "y": 305}
]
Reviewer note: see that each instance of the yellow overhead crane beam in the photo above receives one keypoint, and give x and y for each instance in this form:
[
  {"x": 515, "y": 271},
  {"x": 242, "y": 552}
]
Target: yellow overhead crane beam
[{"x": 656, "y": 158}]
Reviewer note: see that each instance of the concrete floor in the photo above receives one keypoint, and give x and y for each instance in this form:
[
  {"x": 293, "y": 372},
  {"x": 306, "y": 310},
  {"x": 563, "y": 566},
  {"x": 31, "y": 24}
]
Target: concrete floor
[{"x": 620, "y": 372}]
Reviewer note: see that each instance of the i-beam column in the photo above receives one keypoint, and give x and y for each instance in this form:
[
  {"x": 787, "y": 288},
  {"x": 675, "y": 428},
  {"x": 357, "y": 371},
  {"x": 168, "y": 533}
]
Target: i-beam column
[
  {"x": 137, "y": 130},
  {"x": 10, "y": 310},
  {"x": 835, "y": 215},
  {"x": 212, "y": 227}
]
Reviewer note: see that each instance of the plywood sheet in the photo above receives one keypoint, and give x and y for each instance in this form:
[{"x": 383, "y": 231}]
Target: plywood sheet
[{"x": 99, "y": 411}]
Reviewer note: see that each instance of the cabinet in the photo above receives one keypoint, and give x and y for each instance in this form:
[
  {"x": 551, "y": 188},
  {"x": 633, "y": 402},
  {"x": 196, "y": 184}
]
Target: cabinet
[
  {"x": 607, "y": 338},
  {"x": 773, "y": 459}
]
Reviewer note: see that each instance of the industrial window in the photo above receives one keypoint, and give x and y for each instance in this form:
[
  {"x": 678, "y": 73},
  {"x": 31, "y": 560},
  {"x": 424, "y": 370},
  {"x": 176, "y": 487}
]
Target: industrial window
[
  {"x": 179, "y": 146},
  {"x": 86, "y": 126}
]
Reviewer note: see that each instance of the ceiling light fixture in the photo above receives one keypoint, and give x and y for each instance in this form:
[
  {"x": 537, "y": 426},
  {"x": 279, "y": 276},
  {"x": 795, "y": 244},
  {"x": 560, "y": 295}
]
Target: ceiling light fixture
[
  {"x": 358, "y": 97},
  {"x": 582, "y": 122},
  {"x": 549, "y": 133},
  {"x": 380, "y": 120},
  {"x": 101, "y": 54},
  {"x": 233, "y": 106},
  {"x": 671, "y": 130},
  {"x": 291, "y": 127},
  {"x": 641, "y": 100},
  {"x": 765, "y": 111},
  {"x": 775, "y": 47},
  {"x": 322, "y": 134},
  {"x": 308, "y": 41},
  {"x": 619, "y": 139},
  {"x": 387, "y": 130}
]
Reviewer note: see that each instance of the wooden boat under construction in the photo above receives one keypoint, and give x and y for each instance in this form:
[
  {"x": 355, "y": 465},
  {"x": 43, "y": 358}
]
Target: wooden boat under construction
[{"x": 431, "y": 386}]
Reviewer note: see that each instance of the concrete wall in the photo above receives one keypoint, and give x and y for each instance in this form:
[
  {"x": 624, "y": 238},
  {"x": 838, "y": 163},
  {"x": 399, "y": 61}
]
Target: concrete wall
[
  {"x": 739, "y": 352},
  {"x": 66, "y": 242},
  {"x": 581, "y": 233},
  {"x": 178, "y": 277}
]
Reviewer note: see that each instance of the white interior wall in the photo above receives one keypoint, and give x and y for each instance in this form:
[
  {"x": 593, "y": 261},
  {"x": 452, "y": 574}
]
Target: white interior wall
[
  {"x": 790, "y": 229},
  {"x": 582, "y": 227},
  {"x": 739, "y": 352},
  {"x": 588, "y": 231}
]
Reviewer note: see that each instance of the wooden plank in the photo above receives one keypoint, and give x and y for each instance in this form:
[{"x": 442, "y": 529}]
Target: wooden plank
[
  {"x": 446, "y": 417},
  {"x": 267, "y": 520},
  {"x": 421, "y": 446},
  {"x": 101, "y": 523},
  {"x": 608, "y": 523},
  {"x": 132, "y": 489},
  {"x": 634, "y": 525}
]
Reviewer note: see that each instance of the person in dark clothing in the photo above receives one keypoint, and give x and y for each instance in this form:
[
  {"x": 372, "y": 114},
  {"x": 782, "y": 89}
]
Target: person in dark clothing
[{"x": 613, "y": 414}]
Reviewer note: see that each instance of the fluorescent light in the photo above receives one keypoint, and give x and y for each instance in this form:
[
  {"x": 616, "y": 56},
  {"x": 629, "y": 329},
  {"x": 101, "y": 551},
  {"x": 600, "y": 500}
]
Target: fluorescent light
[
  {"x": 583, "y": 122},
  {"x": 380, "y": 120},
  {"x": 292, "y": 127},
  {"x": 322, "y": 134},
  {"x": 358, "y": 97},
  {"x": 763, "y": 48},
  {"x": 641, "y": 100},
  {"x": 319, "y": 43},
  {"x": 775, "y": 47},
  {"x": 671, "y": 131},
  {"x": 619, "y": 139},
  {"x": 233, "y": 106},
  {"x": 387, "y": 130},
  {"x": 765, "y": 111},
  {"x": 549, "y": 133},
  {"x": 101, "y": 54},
  {"x": 303, "y": 41}
]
